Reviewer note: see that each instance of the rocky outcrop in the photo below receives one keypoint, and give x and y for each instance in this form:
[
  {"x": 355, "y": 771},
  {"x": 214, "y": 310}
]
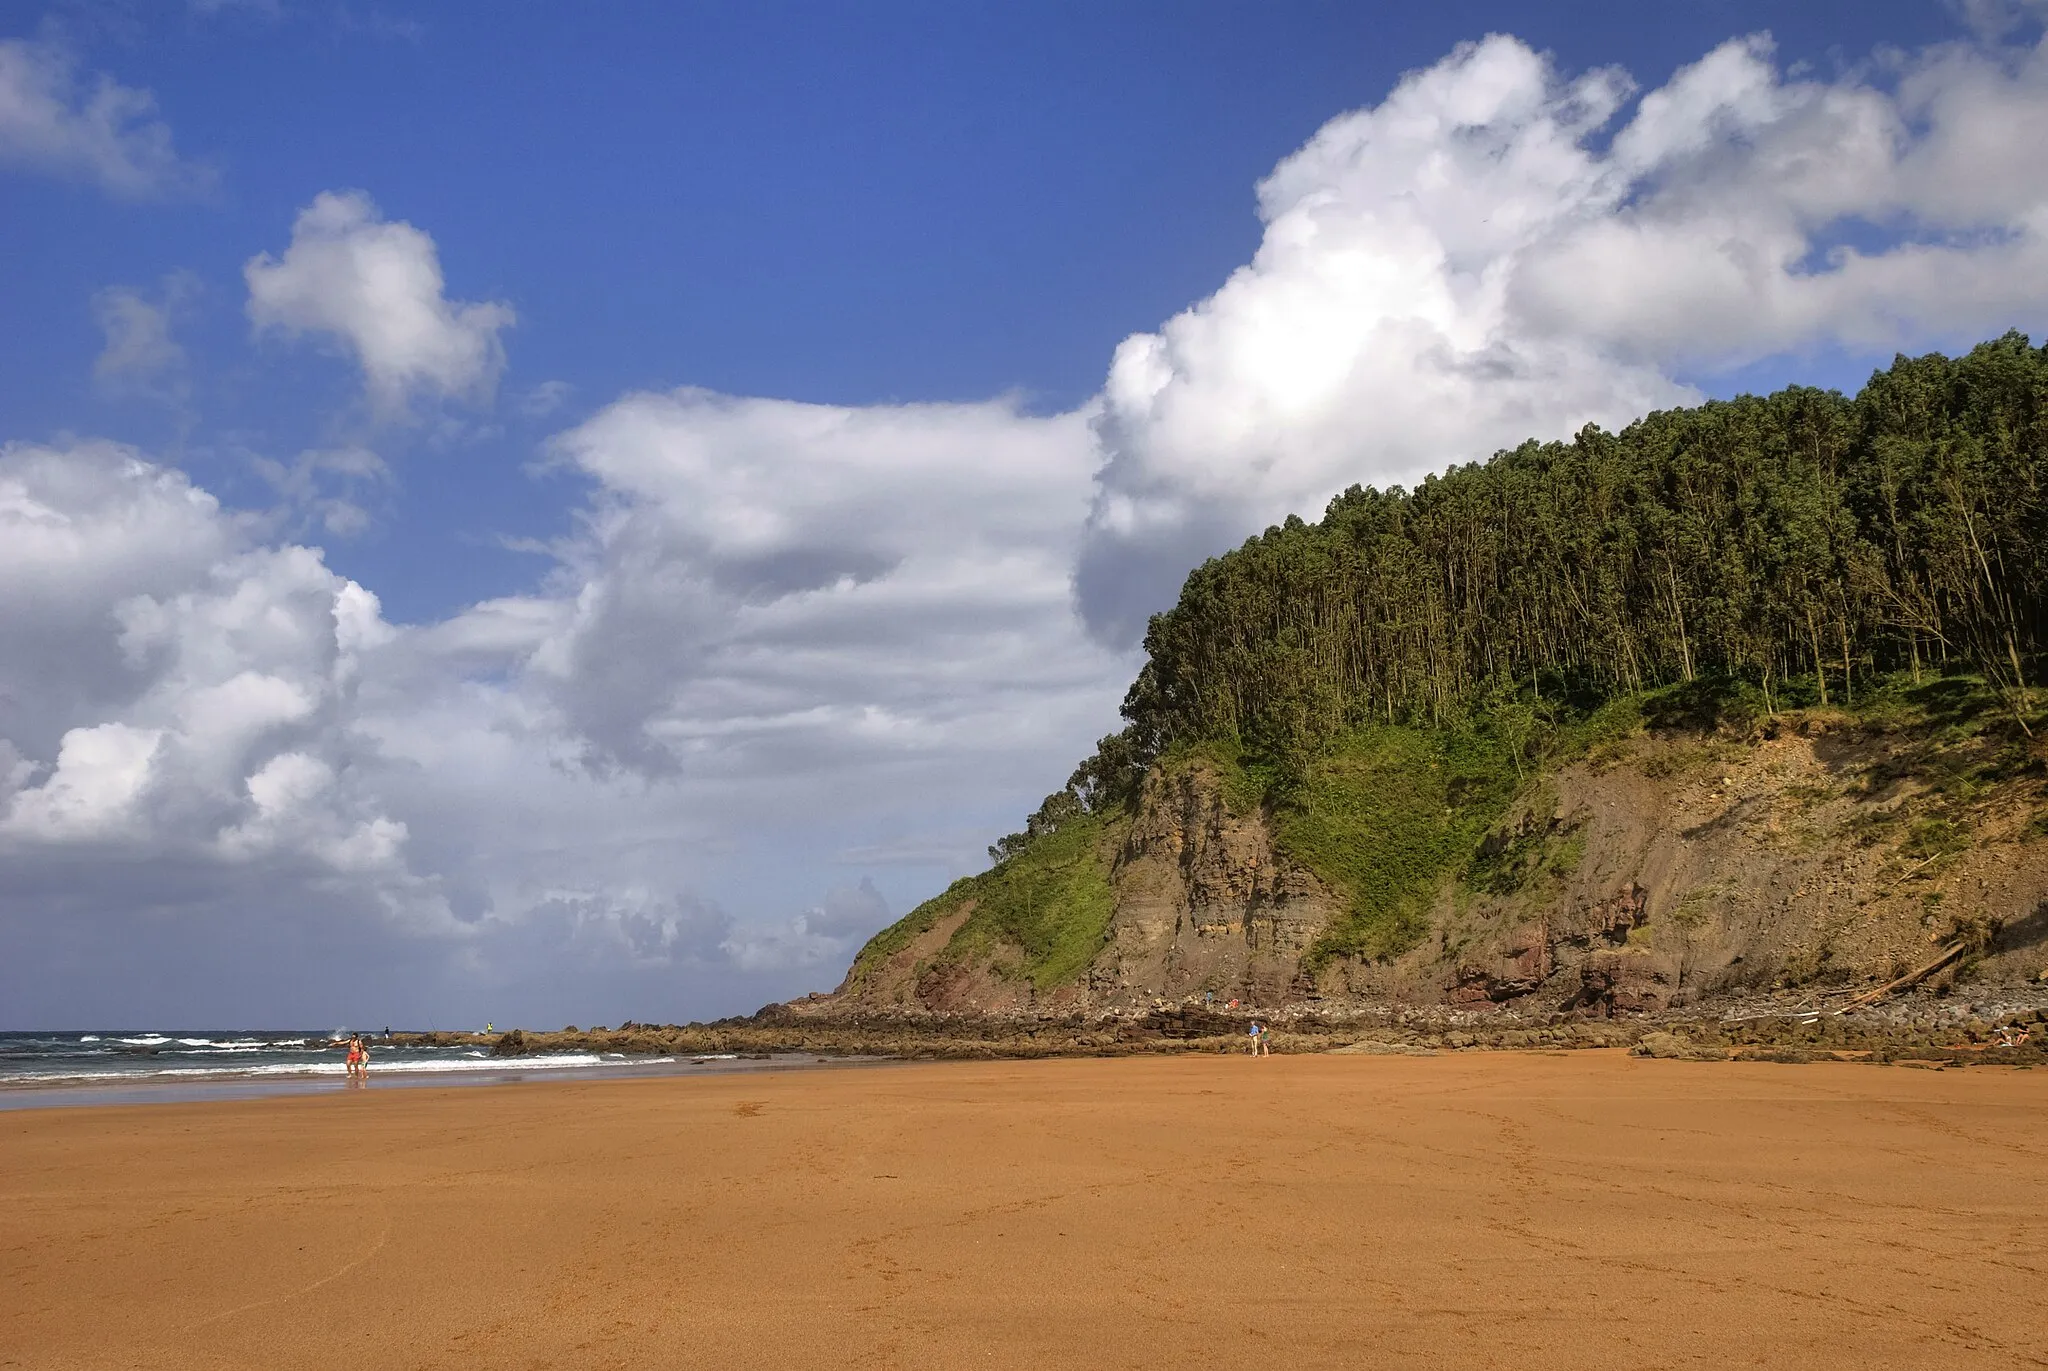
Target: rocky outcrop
[
  {"x": 1203, "y": 904},
  {"x": 1958, "y": 1033},
  {"x": 1531, "y": 954},
  {"x": 1671, "y": 871},
  {"x": 1623, "y": 980}
]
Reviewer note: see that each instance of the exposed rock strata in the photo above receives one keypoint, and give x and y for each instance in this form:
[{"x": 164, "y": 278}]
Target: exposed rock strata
[
  {"x": 1702, "y": 870},
  {"x": 1203, "y": 904}
]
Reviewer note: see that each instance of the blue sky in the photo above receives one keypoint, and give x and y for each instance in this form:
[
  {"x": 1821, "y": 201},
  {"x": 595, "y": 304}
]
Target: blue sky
[
  {"x": 831, "y": 202},
  {"x": 1007, "y": 256}
]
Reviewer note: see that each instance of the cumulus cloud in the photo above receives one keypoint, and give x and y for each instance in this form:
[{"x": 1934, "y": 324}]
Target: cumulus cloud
[
  {"x": 375, "y": 287},
  {"x": 780, "y": 630},
  {"x": 100, "y": 775},
  {"x": 95, "y": 129},
  {"x": 767, "y": 585},
  {"x": 197, "y": 686},
  {"x": 823, "y": 937},
  {"x": 82, "y": 530},
  {"x": 1495, "y": 252},
  {"x": 849, "y": 912}
]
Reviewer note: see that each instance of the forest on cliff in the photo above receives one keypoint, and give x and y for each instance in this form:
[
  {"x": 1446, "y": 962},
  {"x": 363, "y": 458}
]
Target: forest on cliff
[
  {"x": 1801, "y": 543},
  {"x": 1381, "y": 683}
]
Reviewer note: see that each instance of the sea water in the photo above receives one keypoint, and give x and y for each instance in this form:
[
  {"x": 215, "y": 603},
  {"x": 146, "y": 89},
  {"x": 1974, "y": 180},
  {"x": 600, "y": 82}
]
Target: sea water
[{"x": 121, "y": 1058}]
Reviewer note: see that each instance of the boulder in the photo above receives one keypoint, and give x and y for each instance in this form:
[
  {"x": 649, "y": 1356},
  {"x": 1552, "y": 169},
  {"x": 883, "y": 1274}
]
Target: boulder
[
  {"x": 1621, "y": 981},
  {"x": 1670, "y": 1046}
]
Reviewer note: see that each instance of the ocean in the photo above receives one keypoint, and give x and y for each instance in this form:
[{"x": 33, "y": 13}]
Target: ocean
[{"x": 126, "y": 1058}]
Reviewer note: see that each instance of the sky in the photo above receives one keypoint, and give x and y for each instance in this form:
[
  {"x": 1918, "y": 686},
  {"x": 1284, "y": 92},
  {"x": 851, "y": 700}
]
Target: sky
[{"x": 558, "y": 514}]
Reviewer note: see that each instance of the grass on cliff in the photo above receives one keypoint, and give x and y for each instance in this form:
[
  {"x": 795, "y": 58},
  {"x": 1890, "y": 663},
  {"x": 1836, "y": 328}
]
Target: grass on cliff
[
  {"x": 1051, "y": 903},
  {"x": 877, "y": 951},
  {"x": 1384, "y": 814},
  {"x": 1040, "y": 916},
  {"x": 1381, "y": 816}
]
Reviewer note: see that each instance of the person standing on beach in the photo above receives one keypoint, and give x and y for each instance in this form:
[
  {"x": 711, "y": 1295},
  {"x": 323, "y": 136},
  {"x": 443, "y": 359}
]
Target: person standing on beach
[
  {"x": 1253, "y": 1034},
  {"x": 362, "y": 1063},
  {"x": 355, "y": 1057}
]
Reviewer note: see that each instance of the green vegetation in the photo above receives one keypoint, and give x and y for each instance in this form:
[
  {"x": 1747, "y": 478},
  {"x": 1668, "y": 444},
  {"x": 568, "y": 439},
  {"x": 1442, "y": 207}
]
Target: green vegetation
[
  {"x": 1934, "y": 837},
  {"x": 1391, "y": 812},
  {"x": 1798, "y": 545},
  {"x": 1511, "y": 860},
  {"x": 908, "y": 929},
  {"x": 1049, "y": 904},
  {"x": 1382, "y": 682},
  {"x": 1381, "y": 815},
  {"x": 1039, "y": 915}
]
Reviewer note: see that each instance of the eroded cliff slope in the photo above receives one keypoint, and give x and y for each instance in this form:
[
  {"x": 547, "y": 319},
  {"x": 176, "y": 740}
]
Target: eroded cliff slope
[{"x": 1662, "y": 854}]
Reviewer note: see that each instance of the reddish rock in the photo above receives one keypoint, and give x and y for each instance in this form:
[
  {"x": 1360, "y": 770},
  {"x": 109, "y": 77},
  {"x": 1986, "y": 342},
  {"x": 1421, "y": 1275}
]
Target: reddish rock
[{"x": 1621, "y": 981}]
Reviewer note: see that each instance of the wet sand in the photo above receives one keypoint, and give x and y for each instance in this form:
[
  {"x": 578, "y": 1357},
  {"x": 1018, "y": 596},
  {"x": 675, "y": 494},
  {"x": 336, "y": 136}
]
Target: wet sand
[{"x": 1477, "y": 1210}]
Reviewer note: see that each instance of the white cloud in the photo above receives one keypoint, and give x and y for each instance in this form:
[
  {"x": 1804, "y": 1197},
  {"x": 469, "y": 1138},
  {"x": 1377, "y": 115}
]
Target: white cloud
[
  {"x": 97, "y": 130},
  {"x": 141, "y": 357},
  {"x": 82, "y": 530},
  {"x": 782, "y": 631},
  {"x": 765, "y": 584},
  {"x": 100, "y": 774},
  {"x": 327, "y": 489},
  {"x": 1465, "y": 265},
  {"x": 376, "y": 287},
  {"x": 1992, "y": 20},
  {"x": 196, "y": 686},
  {"x": 545, "y": 398}
]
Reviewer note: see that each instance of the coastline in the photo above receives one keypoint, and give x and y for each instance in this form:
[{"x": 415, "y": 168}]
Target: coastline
[
  {"x": 142, "y": 1090},
  {"x": 808, "y": 1034}
]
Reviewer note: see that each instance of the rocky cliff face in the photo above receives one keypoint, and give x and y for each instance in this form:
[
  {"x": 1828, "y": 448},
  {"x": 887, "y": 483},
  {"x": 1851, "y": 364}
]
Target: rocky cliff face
[
  {"x": 1819, "y": 857},
  {"x": 1204, "y": 904}
]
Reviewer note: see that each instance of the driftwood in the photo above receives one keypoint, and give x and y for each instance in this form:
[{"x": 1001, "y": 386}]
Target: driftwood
[
  {"x": 1912, "y": 870},
  {"x": 1911, "y": 978}
]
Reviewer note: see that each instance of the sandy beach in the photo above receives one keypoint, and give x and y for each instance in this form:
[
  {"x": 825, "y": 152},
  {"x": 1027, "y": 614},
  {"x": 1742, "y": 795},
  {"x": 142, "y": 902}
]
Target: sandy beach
[{"x": 1473, "y": 1210}]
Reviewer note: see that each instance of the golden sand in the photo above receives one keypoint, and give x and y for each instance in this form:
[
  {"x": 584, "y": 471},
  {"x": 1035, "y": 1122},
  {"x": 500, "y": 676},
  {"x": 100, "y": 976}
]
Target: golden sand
[{"x": 1585, "y": 1210}]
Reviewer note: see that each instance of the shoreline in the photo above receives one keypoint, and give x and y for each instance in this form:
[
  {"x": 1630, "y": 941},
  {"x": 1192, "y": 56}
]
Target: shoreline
[
  {"x": 1912, "y": 1031},
  {"x": 1668, "y": 1042},
  {"x": 25, "y": 1095}
]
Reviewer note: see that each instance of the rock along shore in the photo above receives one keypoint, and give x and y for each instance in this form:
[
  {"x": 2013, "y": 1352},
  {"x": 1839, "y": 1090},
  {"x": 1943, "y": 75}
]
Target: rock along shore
[{"x": 1937, "y": 1033}]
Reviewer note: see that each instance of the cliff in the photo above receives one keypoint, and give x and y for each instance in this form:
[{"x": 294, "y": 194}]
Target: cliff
[
  {"x": 1669, "y": 852},
  {"x": 1741, "y": 702}
]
